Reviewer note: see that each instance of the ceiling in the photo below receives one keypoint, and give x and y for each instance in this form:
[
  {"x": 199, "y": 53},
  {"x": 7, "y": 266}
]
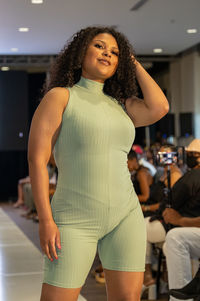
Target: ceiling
[{"x": 156, "y": 24}]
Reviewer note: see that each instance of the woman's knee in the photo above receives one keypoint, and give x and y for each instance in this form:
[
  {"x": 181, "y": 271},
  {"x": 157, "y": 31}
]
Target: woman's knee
[
  {"x": 173, "y": 238},
  {"x": 126, "y": 297}
]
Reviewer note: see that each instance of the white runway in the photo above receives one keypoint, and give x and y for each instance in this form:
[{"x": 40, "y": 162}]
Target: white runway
[{"x": 20, "y": 264}]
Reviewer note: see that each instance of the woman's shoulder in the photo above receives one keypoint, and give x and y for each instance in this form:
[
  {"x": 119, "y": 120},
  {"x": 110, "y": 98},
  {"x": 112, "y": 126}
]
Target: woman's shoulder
[
  {"x": 143, "y": 170},
  {"x": 58, "y": 91},
  {"x": 58, "y": 95}
]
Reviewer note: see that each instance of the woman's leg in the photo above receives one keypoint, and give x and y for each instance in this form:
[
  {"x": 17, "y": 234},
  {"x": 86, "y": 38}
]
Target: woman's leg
[
  {"x": 123, "y": 286},
  {"x": 54, "y": 293},
  {"x": 64, "y": 277}
]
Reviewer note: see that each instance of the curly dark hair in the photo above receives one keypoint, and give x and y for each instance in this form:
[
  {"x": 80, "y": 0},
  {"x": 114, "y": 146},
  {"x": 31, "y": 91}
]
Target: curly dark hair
[
  {"x": 66, "y": 70},
  {"x": 132, "y": 155}
]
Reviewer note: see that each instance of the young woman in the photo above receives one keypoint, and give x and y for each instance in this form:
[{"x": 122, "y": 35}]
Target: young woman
[{"x": 88, "y": 117}]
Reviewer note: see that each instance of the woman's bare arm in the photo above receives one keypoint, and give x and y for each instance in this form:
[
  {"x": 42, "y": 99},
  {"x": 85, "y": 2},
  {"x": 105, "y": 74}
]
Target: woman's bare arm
[
  {"x": 44, "y": 131},
  {"x": 153, "y": 107},
  {"x": 152, "y": 207}
]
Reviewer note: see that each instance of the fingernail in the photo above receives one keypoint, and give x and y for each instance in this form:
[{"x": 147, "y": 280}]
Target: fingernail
[
  {"x": 56, "y": 257},
  {"x": 51, "y": 259},
  {"x": 59, "y": 247}
]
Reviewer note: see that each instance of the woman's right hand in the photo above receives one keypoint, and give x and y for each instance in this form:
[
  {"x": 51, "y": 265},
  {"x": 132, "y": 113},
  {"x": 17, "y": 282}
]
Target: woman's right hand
[{"x": 49, "y": 238}]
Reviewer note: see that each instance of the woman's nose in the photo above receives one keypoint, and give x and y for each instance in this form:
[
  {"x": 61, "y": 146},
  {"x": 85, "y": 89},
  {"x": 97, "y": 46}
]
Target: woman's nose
[{"x": 106, "y": 53}]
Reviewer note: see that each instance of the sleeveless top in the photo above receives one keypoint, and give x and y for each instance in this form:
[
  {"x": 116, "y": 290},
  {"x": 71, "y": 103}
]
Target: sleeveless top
[{"x": 91, "y": 151}]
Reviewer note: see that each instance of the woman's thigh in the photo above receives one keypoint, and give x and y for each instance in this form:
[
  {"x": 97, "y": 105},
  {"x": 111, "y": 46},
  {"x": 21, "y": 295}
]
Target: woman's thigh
[
  {"x": 123, "y": 286},
  {"x": 122, "y": 253},
  {"x": 124, "y": 248}
]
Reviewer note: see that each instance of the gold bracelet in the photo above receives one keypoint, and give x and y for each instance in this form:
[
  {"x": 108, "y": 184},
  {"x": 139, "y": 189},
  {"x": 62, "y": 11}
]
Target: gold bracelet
[{"x": 147, "y": 208}]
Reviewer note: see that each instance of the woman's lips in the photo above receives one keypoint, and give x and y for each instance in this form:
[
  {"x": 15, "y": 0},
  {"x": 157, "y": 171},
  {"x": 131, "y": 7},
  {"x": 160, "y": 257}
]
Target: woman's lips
[{"x": 104, "y": 62}]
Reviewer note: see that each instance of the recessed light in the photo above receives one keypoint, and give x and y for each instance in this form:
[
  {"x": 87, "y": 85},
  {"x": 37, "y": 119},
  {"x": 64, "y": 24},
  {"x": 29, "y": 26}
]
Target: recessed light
[
  {"x": 14, "y": 49},
  {"x": 157, "y": 50},
  {"x": 192, "y": 30},
  {"x": 23, "y": 29},
  {"x": 4, "y": 68},
  {"x": 36, "y": 1}
]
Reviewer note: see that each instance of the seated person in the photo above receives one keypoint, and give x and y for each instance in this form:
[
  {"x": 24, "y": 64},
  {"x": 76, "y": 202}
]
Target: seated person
[
  {"x": 142, "y": 159},
  {"x": 28, "y": 195},
  {"x": 190, "y": 290},
  {"x": 140, "y": 176},
  {"x": 185, "y": 200},
  {"x": 175, "y": 171},
  {"x": 182, "y": 245},
  {"x": 149, "y": 192},
  {"x": 20, "y": 196}
]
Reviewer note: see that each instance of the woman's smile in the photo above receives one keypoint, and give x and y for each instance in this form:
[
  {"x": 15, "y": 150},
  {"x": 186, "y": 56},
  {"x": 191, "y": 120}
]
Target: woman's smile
[{"x": 104, "y": 62}]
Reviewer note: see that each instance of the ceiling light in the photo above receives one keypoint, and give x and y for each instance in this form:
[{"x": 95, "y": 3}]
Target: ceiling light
[
  {"x": 14, "y": 49},
  {"x": 36, "y": 1},
  {"x": 157, "y": 50},
  {"x": 4, "y": 68},
  {"x": 192, "y": 30},
  {"x": 23, "y": 29}
]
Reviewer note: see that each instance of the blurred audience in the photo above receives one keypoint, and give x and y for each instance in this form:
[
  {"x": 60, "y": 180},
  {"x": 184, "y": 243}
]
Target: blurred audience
[
  {"x": 182, "y": 244},
  {"x": 140, "y": 176},
  {"x": 185, "y": 204},
  {"x": 142, "y": 159},
  {"x": 150, "y": 190},
  {"x": 28, "y": 201}
]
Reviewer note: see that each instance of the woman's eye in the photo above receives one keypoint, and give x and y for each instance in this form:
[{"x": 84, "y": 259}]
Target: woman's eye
[
  {"x": 115, "y": 53},
  {"x": 98, "y": 46}
]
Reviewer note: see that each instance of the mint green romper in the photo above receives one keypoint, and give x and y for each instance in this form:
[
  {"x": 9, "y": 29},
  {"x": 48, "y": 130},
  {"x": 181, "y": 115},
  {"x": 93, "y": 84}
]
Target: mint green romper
[{"x": 95, "y": 205}]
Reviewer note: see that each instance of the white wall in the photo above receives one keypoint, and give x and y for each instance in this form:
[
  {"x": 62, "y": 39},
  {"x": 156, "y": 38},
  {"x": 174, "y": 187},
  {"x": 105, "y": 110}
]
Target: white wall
[{"x": 185, "y": 89}]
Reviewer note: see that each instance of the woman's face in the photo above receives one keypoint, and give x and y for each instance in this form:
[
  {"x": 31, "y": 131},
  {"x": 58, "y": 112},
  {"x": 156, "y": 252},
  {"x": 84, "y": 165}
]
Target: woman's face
[
  {"x": 101, "y": 58},
  {"x": 132, "y": 164}
]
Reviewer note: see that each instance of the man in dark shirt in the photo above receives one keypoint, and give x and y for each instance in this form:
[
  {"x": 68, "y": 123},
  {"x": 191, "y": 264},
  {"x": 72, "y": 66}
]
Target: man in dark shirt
[{"x": 183, "y": 243}]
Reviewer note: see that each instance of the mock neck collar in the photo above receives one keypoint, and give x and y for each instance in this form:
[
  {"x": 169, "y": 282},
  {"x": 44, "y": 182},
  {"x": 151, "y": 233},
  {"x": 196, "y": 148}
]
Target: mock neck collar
[{"x": 90, "y": 85}]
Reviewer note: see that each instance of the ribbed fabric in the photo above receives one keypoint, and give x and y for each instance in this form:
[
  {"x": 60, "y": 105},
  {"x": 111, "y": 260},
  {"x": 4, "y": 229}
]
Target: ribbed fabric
[{"x": 94, "y": 192}]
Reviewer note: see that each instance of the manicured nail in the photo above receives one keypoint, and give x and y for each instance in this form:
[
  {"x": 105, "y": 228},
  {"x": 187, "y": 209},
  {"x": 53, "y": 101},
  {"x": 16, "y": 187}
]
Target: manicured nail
[
  {"x": 56, "y": 257},
  {"x": 59, "y": 246},
  {"x": 51, "y": 259}
]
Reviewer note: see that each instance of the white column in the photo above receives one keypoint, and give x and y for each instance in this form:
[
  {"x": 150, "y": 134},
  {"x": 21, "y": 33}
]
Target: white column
[
  {"x": 197, "y": 94},
  {"x": 185, "y": 89}
]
